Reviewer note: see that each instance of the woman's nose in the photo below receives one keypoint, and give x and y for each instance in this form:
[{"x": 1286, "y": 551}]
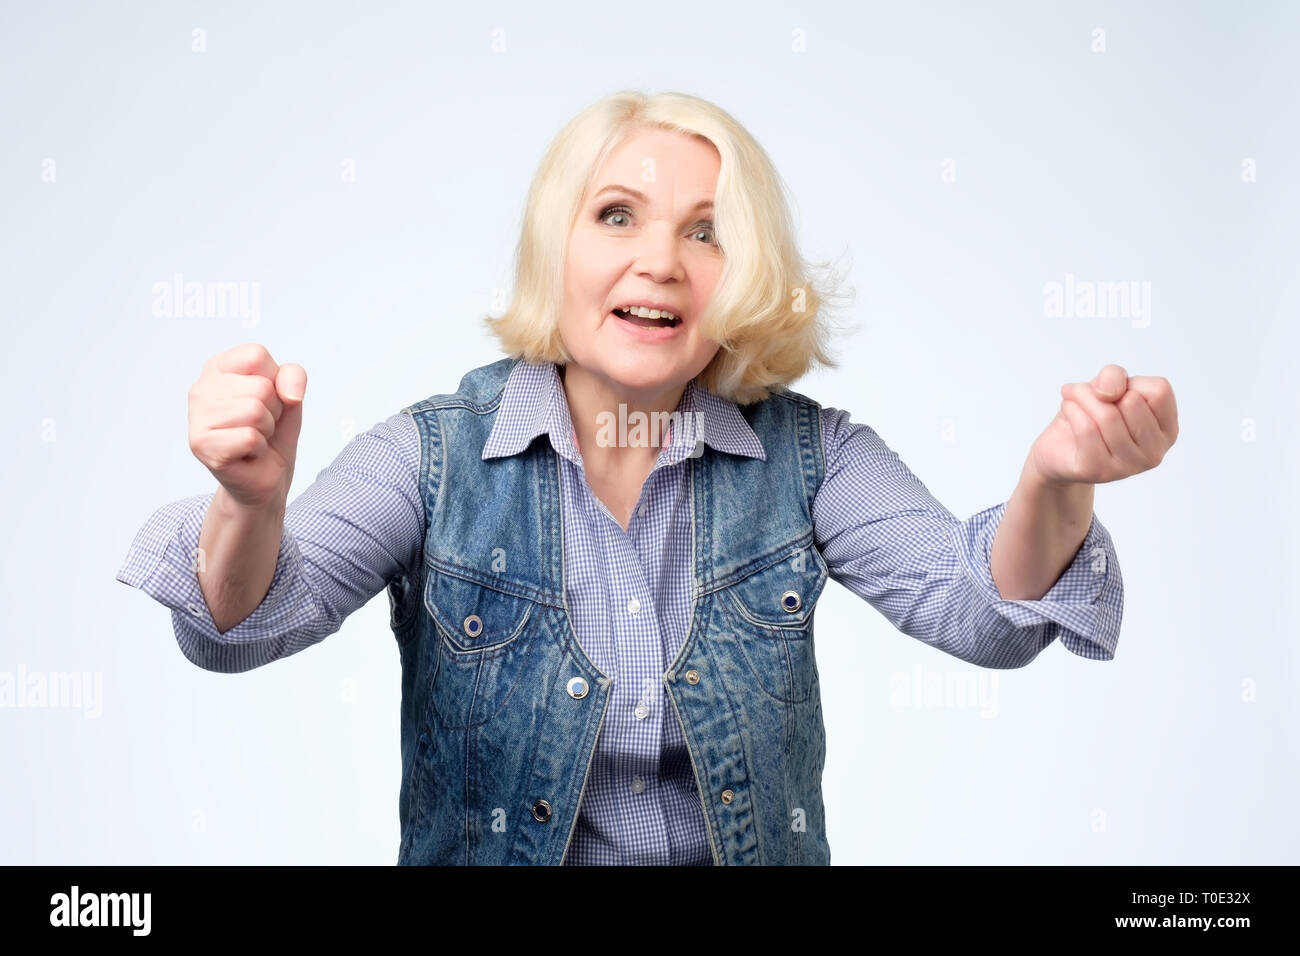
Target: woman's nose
[{"x": 659, "y": 254}]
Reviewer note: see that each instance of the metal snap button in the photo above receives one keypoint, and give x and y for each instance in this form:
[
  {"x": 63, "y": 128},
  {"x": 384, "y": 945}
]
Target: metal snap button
[
  {"x": 577, "y": 688},
  {"x": 728, "y": 796},
  {"x": 692, "y": 677},
  {"x": 473, "y": 625},
  {"x": 541, "y": 811},
  {"x": 791, "y": 601}
]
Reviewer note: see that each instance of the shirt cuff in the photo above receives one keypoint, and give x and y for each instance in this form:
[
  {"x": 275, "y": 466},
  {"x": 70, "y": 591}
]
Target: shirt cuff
[
  {"x": 1083, "y": 608},
  {"x": 163, "y": 563}
]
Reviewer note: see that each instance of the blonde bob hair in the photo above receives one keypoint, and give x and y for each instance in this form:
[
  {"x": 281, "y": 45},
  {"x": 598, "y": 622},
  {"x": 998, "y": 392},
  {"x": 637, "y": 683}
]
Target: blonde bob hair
[{"x": 767, "y": 311}]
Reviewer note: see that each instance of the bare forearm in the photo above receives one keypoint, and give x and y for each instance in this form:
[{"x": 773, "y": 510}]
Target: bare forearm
[
  {"x": 1040, "y": 533},
  {"x": 238, "y": 547}
]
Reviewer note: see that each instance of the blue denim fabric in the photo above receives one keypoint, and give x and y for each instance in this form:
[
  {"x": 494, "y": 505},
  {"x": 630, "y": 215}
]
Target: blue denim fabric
[{"x": 501, "y": 708}]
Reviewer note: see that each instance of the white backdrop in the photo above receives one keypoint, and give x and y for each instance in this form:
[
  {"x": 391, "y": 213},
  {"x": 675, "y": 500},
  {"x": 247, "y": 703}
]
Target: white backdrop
[{"x": 363, "y": 167}]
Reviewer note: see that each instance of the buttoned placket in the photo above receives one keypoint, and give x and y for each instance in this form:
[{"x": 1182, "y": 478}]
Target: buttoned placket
[{"x": 633, "y": 651}]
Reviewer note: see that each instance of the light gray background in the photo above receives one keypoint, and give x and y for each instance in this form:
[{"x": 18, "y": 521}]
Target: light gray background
[{"x": 1122, "y": 165}]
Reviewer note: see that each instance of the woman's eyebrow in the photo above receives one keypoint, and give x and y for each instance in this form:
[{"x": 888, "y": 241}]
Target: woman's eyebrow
[{"x": 641, "y": 197}]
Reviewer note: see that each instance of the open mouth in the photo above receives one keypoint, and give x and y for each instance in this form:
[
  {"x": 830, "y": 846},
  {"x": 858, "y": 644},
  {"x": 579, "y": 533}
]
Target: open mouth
[{"x": 647, "y": 323}]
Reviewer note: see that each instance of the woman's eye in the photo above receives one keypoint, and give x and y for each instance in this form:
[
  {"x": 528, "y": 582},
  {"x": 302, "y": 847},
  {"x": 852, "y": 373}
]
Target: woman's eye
[
  {"x": 610, "y": 210},
  {"x": 704, "y": 227}
]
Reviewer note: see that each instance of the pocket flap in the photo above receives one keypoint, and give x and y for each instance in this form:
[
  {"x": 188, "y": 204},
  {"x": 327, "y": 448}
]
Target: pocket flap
[
  {"x": 782, "y": 594},
  {"x": 473, "y": 616}
]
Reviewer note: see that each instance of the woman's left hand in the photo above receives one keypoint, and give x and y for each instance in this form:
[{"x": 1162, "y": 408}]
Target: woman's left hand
[{"x": 1110, "y": 428}]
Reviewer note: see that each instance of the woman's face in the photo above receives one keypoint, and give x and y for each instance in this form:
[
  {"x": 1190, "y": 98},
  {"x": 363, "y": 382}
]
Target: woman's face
[{"x": 657, "y": 247}]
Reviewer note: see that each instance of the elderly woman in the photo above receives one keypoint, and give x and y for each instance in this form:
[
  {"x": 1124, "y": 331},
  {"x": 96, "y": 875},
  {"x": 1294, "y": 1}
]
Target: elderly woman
[{"x": 604, "y": 550}]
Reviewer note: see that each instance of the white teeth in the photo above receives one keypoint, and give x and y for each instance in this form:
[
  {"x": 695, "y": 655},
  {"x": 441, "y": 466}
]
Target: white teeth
[{"x": 648, "y": 313}]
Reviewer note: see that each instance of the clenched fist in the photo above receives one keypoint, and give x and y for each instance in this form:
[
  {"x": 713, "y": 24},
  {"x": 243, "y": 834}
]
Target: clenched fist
[
  {"x": 245, "y": 412},
  {"x": 1113, "y": 427}
]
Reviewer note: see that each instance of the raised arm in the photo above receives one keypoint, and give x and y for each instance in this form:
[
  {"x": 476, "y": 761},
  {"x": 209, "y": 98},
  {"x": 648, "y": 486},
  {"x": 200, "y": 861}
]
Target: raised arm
[
  {"x": 888, "y": 540},
  {"x": 1113, "y": 427},
  {"x": 356, "y": 528}
]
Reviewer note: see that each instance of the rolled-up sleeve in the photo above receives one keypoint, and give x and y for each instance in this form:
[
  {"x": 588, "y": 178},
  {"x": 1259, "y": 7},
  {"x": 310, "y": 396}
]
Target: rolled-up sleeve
[
  {"x": 888, "y": 540},
  {"x": 1085, "y": 606},
  {"x": 359, "y": 525}
]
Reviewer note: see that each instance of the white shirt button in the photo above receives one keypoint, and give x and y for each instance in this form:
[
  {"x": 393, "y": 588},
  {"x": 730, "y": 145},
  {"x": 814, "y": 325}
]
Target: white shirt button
[
  {"x": 638, "y": 785},
  {"x": 195, "y": 609},
  {"x": 642, "y": 711},
  {"x": 633, "y": 606}
]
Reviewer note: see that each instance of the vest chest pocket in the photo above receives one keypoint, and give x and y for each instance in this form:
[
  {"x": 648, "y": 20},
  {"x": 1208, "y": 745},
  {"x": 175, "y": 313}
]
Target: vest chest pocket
[
  {"x": 771, "y": 613},
  {"x": 473, "y": 616},
  {"x": 479, "y": 658},
  {"x": 781, "y": 595}
]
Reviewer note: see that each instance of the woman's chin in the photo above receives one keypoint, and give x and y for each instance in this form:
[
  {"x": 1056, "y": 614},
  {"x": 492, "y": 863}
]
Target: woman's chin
[{"x": 642, "y": 373}]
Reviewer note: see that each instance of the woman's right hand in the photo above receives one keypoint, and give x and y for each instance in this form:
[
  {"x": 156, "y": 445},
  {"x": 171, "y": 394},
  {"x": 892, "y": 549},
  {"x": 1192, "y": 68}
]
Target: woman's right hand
[{"x": 245, "y": 412}]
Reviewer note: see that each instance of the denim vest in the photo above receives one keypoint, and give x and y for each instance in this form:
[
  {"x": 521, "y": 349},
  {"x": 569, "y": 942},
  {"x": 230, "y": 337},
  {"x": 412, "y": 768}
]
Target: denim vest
[{"x": 500, "y": 706}]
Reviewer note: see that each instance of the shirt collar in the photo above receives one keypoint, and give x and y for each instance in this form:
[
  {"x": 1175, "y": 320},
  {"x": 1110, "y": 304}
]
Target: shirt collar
[{"x": 534, "y": 403}]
